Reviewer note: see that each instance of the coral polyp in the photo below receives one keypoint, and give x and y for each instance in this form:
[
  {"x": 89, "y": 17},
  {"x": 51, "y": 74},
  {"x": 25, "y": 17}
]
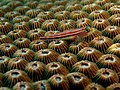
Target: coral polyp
[
  {"x": 35, "y": 68},
  {"x": 77, "y": 80},
  {"x": 62, "y": 15},
  {"x": 32, "y": 4},
  {"x": 86, "y": 67},
  {"x": 45, "y": 6},
  {"x": 11, "y": 15},
  {"x": 14, "y": 4},
  {"x": 35, "y": 34},
  {"x": 107, "y": 76},
  {"x": 108, "y": 5},
  {"x": 83, "y": 22},
  {"x": 7, "y": 49},
  {"x": 36, "y": 23},
  {"x": 5, "y": 39},
  {"x": 114, "y": 10},
  {"x": 91, "y": 7},
  {"x": 23, "y": 85},
  {"x": 73, "y": 7},
  {"x": 55, "y": 68},
  {"x": 32, "y": 13},
  {"x": 67, "y": 59},
  {"x": 94, "y": 86},
  {"x": 57, "y": 8},
  {"x": 89, "y": 53},
  {"x": 115, "y": 20},
  {"x": 37, "y": 45},
  {"x": 46, "y": 56},
  {"x": 101, "y": 43},
  {"x": 111, "y": 31},
  {"x": 117, "y": 39},
  {"x": 50, "y": 25},
  {"x": 22, "y": 9},
  {"x": 4, "y": 60},
  {"x": 59, "y": 82},
  {"x": 5, "y": 27},
  {"x": 14, "y": 76},
  {"x": 100, "y": 24},
  {"x": 75, "y": 15},
  {"x": 76, "y": 47},
  {"x": 101, "y": 2},
  {"x": 46, "y": 15},
  {"x": 85, "y": 2},
  {"x": 59, "y": 46},
  {"x": 25, "y": 53},
  {"x": 21, "y": 18},
  {"x": 22, "y": 42},
  {"x": 93, "y": 32},
  {"x": 99, "y": 14},
  {"x": 43, "y": 84},
  {"x": 66, "y": 25},
  {"x": 114, "y": 49},
  {"x": 109, "y": 61},
  {"x": 17, "y": 63},
  {"x": 113, "y": 86},
  {"x": 22, "y": 26},
  {"x": 15, "y": 34}
]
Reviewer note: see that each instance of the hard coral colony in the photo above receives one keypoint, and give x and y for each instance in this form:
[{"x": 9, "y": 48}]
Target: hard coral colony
[{"x": 59, "y": 44}]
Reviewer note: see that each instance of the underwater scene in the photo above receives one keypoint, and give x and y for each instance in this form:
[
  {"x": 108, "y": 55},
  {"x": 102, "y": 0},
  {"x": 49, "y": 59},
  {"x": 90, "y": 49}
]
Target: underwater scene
[{"x": 59, "y": 44}]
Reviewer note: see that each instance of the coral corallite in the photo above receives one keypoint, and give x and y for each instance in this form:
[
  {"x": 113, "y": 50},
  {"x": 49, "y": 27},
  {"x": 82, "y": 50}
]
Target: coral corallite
[
  {"x": 114, "y": 49},
  {"x": 111, "y": 31},
  {"x": 105, "y": 77},
  {"x": 100, "y": 24},
  {"x": 5, "y": 27},
  {"x": 86, "y": 67},
  {"x": 14, "y": 76},
  {"x": 22, "y": 42},
  {"x": 46, "y": 56},
  {"x": 67, "y": 59},
  {"x": 7, "y": 49},
  {"x": 42, "y": 85},
  {"x": 59, "y": 46},
  {"x": 109, "y": 61},
  {"x": 117, "y": 39},
  {"x": 59, "y": 82},
  {"x": 23, "y": 86},
  {"x": 89, "y": 53},
  {"x": 35, "y": 70},
  {"x": 94, "y": 86},
  {"x": 97, "y": 14},
  {"x": 55, "y": 68},
  {"x": 5, "y": 39},
  {"x": 22, "y": 26},
  {"x": 50, "y": 25},
  {"x": 15, "y": 34},
  {"x": 37, "y": 45},
  {"x": 25, "y": 53},
  {"x": 78, "y": 81},
  {"x": 17, "y": 63},
  {"x": 75, "y": 47},
  {"x": 93, "y": 32},
  {"x": 115, "y": 20},
  {"x": 114, "y": 86},
  {"x": 4, "y": 60},
  {"x": 101, "y": 43},
  {"x": 35, "y": 34}
]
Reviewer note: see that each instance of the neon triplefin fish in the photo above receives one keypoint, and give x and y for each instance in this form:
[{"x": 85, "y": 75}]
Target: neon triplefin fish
[{"x": 79, "y": 32}]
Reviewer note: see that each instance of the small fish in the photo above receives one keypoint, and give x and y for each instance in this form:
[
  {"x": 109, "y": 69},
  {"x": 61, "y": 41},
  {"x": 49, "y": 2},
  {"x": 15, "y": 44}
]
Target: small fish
[{"x": 79, "y": 32}]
